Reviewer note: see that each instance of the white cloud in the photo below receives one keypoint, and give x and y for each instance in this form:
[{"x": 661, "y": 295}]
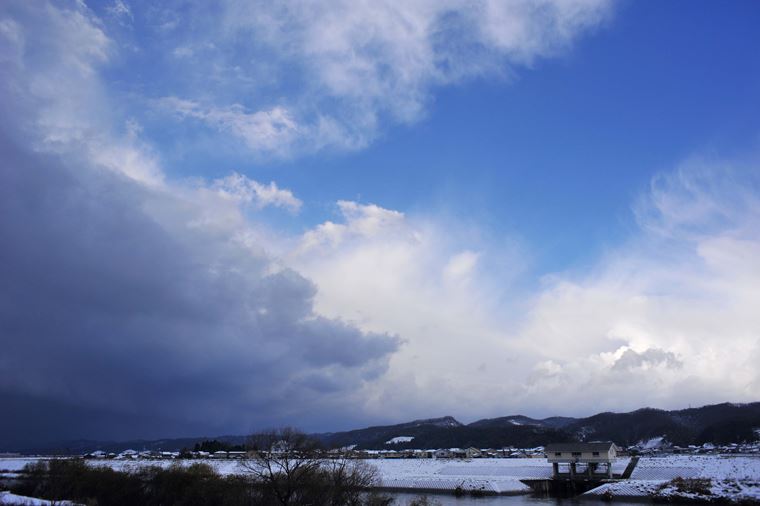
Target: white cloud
[
  {"x": 276, "y": 131},
  {"x": 53, "y": 85},
  {"x": 668, "y": 318},
  {"x": 242, "y": 189},
  {"x": 120, "y": 10},
  {"x": 362, "y": 222},
  {"x": 333, "y": 74},
  {"x": 273, "y": 130},
  {"x": 682, "y": 291},
  {"x": 461, "y": 266},
  {"x": 183, "y": 52},
  {"x": 34, "y": 71},
  {"x": 411, "y": 276},
  {"x": 388, "y": 54}
]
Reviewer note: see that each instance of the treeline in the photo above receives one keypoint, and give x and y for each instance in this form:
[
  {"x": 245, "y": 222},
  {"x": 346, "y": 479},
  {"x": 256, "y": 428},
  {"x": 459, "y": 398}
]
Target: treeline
[
  {"x": 427, "y": 436},
  {"x": 194, "y": 485},
  {"x": 216, "y": 446}
]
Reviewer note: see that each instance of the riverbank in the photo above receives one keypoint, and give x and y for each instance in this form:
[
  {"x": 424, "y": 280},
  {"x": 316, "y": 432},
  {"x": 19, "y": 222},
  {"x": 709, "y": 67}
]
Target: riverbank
[
  {"x": 732, "y": 478},
  {"x": 696, "y": 479}
]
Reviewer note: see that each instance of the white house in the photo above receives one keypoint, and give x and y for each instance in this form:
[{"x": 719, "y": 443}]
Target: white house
[{"x": 595, "y": 458}]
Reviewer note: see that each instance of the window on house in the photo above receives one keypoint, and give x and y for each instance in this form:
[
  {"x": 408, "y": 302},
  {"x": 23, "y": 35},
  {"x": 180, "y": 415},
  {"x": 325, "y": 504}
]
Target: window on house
[
  {"x": 596, "y": 454},
  {"x": 576, "y": 454},
  {"x": 557, "y": 454}
]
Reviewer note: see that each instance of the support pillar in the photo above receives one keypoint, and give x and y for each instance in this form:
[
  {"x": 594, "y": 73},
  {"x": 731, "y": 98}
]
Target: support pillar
[
  {"x": 555, "y": 470},
  {"x": 572, "y": 470}
]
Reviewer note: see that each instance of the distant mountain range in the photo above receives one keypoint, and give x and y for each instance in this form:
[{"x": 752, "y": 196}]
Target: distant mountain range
[{"x": 718, "y": 424}]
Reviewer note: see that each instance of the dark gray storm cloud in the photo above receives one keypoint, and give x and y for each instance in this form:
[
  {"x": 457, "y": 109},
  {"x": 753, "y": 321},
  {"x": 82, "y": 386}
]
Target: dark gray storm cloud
[
  {"x": 124, "y": 312},
  {"x": 107, "y": 314}
]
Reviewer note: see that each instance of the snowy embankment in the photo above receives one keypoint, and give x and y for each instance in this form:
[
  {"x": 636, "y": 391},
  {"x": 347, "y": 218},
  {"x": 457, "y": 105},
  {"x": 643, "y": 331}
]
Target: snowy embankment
[
  {"x": 688, "y": 478},
  {"x": 494, "y": 476},
  {"x": 491, "y": 476}
]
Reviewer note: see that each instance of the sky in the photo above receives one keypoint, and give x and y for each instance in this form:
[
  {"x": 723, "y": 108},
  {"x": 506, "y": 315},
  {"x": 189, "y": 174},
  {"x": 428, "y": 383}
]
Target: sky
[{"x": 222, "y": 217}]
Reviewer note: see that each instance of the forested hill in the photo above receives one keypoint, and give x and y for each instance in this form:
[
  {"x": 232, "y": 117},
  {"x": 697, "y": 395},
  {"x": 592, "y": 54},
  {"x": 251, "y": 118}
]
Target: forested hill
[{"x": 718, "y": 424}]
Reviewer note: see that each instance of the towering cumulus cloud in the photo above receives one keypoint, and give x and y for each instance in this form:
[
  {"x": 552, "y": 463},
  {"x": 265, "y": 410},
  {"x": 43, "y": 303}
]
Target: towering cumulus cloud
[{"x": 669, "y": 317}]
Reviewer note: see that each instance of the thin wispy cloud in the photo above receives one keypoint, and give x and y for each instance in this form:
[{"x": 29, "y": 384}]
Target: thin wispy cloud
[
  {"x": 351, "y": 69},
  {"x": 239, "y": 188}
]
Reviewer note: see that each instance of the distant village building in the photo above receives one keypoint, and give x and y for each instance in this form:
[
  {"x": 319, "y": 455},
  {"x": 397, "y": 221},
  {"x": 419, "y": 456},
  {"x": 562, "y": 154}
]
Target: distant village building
[{"x": 595, "y": 459}]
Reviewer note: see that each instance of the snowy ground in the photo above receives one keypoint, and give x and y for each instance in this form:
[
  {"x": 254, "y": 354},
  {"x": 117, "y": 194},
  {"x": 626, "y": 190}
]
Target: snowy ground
[
  {"x": 735, "y": 478},
  {"x": 20, "y": 500},
  {"x": 500, "y": 476},
  {"x": 731, "y": 476},
  {"x": 489, "y": 475}
]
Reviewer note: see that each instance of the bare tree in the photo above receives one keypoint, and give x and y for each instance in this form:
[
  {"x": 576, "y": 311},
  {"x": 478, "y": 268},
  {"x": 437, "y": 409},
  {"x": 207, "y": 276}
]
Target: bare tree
[
  {"x": 285, "y": 461},
  {"x": 293, "y": 470},
  {"x": 349, "y": 479}
]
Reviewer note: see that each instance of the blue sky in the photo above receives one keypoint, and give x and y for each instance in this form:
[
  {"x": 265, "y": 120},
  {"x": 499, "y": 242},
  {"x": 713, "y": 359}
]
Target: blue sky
[
  {"x": 554, "y": 152},
  {"x": 381, "y": 210}
]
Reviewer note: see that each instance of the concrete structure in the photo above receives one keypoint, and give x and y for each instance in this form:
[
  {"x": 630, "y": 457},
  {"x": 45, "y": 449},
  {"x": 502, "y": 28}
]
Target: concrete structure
[{"x": 584, "y": 460}]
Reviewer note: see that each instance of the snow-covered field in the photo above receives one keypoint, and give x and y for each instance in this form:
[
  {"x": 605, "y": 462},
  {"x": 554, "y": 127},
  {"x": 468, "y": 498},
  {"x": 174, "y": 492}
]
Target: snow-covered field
[
  {"x": 499, "y": 476},
  {"x": 15, "y": 464},
  {"x": 487, "y": 475}
]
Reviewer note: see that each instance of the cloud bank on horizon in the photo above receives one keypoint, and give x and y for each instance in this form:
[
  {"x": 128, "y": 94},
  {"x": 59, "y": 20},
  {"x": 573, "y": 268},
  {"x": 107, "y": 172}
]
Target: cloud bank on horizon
[{"x": 140, "y": 300}]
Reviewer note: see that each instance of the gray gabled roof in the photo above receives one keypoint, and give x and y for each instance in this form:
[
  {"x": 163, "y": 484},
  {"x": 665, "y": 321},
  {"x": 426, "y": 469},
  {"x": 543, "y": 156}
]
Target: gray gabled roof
[{"x": 579, "y": 447}]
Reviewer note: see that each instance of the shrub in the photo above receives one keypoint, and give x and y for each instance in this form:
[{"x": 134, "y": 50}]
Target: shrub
[
  {"x": 196, "y": 485},
  {"x": 700, "y": 486}
]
